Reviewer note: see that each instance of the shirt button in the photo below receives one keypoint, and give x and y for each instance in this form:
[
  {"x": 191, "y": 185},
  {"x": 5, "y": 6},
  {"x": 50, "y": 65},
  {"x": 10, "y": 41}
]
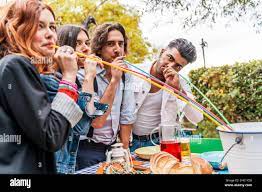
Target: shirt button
[
  {"x": 143, "y": 92},
  {"x": 136, "y": 104}
]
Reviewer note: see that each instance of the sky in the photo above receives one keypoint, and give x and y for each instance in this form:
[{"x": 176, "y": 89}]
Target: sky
[{"x": 226, "y": 45}]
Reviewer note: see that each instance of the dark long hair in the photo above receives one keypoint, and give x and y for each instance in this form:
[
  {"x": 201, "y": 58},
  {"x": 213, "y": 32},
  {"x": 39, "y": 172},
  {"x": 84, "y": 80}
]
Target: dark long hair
[{"x": 67, "y": 35}]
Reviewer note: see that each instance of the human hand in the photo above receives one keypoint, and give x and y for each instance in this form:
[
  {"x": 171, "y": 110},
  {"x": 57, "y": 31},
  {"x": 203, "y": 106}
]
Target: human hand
[
  {"x": 171, "y": 77},
  {"x": 66, "y": 59},
  {"x": 116, "y": 73}
]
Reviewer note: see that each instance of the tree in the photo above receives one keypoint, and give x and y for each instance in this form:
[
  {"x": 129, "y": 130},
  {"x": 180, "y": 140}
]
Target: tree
[
  {"x": 76, "y": 11},
  {"x": 208, "y": 11}
]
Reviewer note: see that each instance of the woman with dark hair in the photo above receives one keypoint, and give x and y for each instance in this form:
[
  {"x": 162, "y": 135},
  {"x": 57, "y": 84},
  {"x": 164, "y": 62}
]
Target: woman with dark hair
[
  {"x": 27, "y": 36},
  {"x": 77, "y": 38}
]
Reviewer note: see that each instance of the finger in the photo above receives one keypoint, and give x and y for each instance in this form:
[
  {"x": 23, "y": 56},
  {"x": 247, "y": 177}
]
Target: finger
[
  {"x": 74, "y": 56},
  {"x": 60, "y": 51},
  {"x": 169, "y": 69},
  {"x": 101, "y": 65},
  {"x": 123, "y": 65},
  {"x": 69, "y": 52},
  {"x": 67, "y": 49},
  {"x": 119, "y": 58},
  {"x": 97, "y": 62},
  {"x": 168, "y": 75},
  {"x": 170, "y": 72},
  {"x": 165, "y": 70},
  {"x": 117, "y": 63}
]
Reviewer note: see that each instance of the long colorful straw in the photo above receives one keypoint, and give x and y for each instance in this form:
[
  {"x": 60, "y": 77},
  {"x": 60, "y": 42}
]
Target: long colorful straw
[
  {"x": 204, "y": 112},
  {"x": 185, "y": 97},
  {"x": 191, "y": 84}
]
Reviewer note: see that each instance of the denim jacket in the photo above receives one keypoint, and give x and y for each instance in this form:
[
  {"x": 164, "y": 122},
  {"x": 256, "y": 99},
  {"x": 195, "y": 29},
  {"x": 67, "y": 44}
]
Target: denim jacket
[{"x": 66, "y": 157}]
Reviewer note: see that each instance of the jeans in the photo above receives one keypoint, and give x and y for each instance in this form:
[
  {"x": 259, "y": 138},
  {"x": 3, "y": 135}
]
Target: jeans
[
  {"x": 137, "y": 143},
  {"x": 90, "y": 153}
]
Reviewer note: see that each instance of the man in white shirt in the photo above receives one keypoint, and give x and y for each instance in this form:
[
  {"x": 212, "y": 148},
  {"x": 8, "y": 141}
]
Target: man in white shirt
[{"x": 155, "y": 106}]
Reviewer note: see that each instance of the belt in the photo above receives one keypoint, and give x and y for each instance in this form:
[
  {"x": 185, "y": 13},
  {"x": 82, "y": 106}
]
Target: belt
[
  {"x": 145, "y": 137},
  {"x": 92, "y": 144}
]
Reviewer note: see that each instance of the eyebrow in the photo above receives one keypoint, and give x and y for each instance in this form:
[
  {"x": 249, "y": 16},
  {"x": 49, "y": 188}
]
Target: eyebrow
[
  {"x": 42, "y": 22},
  {"x": 115, "y": 41},
  {"x": 169, "y": 54},
  {"x": 80, "y": 40}
]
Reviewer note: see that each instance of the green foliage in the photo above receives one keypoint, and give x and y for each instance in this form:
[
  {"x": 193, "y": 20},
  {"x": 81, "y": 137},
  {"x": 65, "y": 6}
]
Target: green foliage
[
  {"x": 76, "y": 11},
  {"x": 235, "y": 90}
]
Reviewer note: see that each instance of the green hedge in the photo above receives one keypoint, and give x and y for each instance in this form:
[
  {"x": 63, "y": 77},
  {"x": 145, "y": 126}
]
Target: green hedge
[{"x": 235, "y": 90}]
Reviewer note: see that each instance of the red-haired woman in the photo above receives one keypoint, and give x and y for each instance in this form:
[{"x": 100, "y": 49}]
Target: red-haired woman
[{"x": 34, "y": 127}]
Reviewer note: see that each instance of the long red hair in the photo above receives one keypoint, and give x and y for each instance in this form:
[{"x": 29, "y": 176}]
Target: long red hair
[{"x": 18, "y": 25}]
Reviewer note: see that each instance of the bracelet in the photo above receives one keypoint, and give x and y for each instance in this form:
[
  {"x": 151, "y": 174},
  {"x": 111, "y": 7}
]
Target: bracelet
[
  {"x": 68, "y": 83},
  {"x": 70, "y": 93},
  {"x": 64, "y": 86}
]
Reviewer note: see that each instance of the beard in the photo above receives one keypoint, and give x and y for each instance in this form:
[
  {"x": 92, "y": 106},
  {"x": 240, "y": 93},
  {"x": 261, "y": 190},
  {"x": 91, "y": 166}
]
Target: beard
[{"x": 159, "y": 71}]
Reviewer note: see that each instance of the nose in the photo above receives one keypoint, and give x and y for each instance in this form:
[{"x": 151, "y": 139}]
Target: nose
[
  {"x": 88, "y": 50},
  {"x": 117, "y": 48},
  {"x": 165, "y": 64},
  {"x": 85, "y": 49},
  {"x": 50, "y": 34}
]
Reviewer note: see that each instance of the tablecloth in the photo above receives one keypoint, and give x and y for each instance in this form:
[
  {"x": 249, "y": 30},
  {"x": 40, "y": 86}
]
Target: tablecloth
[{"x": 93, "y": 169}]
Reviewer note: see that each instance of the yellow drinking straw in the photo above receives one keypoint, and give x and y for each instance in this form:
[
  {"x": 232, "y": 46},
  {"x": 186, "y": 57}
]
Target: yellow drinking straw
[{"x": 153, "y": 83}]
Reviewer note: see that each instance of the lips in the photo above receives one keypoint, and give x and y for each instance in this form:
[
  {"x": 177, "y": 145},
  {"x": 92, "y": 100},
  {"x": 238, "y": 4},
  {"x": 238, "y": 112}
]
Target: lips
[
  {"x": 49, "y": 45},
  {"x": 82, "y": 58}
]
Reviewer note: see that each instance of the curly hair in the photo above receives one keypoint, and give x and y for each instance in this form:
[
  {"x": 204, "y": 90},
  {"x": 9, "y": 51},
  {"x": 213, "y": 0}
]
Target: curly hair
[{"x": 100, "y": 36}]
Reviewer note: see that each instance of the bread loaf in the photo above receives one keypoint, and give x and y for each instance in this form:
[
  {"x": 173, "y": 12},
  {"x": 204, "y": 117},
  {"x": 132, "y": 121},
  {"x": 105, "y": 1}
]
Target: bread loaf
[
  {"x": 201, "y": 165},
  {"x": 164, "y": 163},
  {"x": 179, "y": 168}
]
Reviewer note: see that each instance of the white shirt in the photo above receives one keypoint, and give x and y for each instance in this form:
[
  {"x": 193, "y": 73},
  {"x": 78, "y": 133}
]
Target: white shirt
[
  {"x": 122, "y": 111},
  {"x": 170, "y": 105},
  {"x": 149, "y": 114}
]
